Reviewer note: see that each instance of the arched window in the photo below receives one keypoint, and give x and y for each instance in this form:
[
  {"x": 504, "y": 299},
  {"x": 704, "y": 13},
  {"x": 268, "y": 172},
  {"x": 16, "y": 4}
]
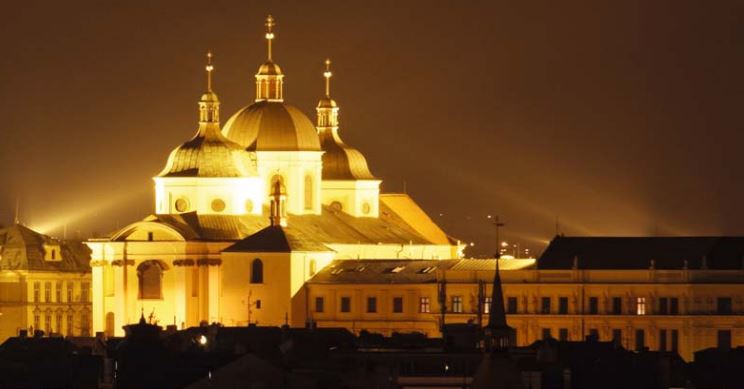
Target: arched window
[
  {"x": 309, "y": 192},
  {"x": 150, "y": 277},
  {"x": 257, "y": 272}
]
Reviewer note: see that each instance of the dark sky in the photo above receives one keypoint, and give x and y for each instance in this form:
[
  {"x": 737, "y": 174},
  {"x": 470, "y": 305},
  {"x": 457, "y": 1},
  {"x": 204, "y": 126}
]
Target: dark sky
[{"x": 615, "y": 118}]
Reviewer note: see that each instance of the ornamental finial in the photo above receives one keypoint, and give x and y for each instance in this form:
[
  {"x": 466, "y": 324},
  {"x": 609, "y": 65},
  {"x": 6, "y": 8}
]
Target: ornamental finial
[
  {"x": 327, "y": 74},
  {"x": 269, "y": 33},
  {"x": 209, "y": 69}
]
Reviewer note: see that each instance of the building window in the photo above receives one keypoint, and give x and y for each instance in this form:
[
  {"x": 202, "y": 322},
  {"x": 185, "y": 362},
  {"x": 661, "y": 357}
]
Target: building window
[
  {"x": 563, "y": 305},
  {"x": 70, "y": 287},
  {"x": 487, "y": 305},
  {"x": 371, "y": 304},
  {"x": 640, "y": 340},
  {"x": 84, "y": 292},
  {"x": 674, "y": 306},
  {"x": 345, "y": 304},
  {"x": 593, "y": 305},
  {"x": 723, "y": 306},
  {"x": 663, "y": 306},
  {"x": 424, "y": 305},
  {"x": 545, "y": 306},
  {"x": 724, "y": 339},
  {"x": 675, "y": 341},
  {"x": 617, "y": 306},
  {"x": 319, "y": 304},
  {"x": 258, "y": 304},
  {"x": 47, "y": 292},
  {"x": 397, "y": 304},
  {"x": 640, "y": 306},
  {"x": 511, "y": 305},
  {"x": 48, "y": 323},
  {"x": 662, "y": 340},
  {"x": 69, "y": 324},
  {"x": 84, "y": 324},
  {"x": 457, "y": 304},
  {"x": 563, "y": 334},
  {"x": 37, "y": 322},
  {"x": 257, "y": 271},
  {"x": 309, "y": 192},
  {"x": 58, "y": 291},
  {"x": 58, "y": 319},
  {"x": 37, "y": 292},
  {"x": 150, "y": 279},
  {"x": 617, "y": 336},
  {"x": 150, "y": 236},
  {"x": 218, "y": 205},
  {"x": 546, "y": 333}
]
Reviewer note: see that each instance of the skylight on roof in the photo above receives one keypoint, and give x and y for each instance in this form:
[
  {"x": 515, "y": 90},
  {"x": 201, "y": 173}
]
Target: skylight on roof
[
  {"x": 337, "y": 271},
  {"x": 360, "y": 268},
  {"x": 428, "y": 269},
  {"x": 397, "y": 269}
]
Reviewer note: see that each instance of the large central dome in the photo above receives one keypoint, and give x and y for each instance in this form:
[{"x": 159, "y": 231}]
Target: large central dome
[{"x": 272, "y": 126}]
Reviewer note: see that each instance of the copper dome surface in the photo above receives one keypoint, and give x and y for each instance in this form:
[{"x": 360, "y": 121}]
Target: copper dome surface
[
  {"x": 269, "y": 69},
  {"x": 342, "y": 162},
  {"x": 272, "y": 126}
]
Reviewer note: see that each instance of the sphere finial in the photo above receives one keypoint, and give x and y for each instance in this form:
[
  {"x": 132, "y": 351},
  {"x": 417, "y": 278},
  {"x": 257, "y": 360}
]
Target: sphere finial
[
  {"x": 209, "y": 69},
  {"x": 327, "y": 74}
]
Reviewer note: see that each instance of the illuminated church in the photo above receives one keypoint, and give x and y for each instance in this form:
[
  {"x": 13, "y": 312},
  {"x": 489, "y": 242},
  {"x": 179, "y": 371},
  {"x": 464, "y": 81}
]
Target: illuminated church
[{"x": 247, "y": 213}]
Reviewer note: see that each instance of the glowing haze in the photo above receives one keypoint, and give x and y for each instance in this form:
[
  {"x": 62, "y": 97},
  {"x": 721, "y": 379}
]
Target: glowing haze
[{"x": 618, "y": 118}]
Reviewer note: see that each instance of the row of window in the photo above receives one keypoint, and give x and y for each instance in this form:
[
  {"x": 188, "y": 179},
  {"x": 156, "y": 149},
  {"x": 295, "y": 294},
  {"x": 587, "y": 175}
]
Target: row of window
[
  {"x": 58, "y": 292},
  {"x": 666, "y": 305},
  {"x": 668, "y": 338},
  {"x": 48, "y": 328}
]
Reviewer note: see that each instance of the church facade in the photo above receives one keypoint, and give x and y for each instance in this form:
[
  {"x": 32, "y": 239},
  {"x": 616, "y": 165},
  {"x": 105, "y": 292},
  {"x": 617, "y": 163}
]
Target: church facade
[{"x": 246, "y": 213}]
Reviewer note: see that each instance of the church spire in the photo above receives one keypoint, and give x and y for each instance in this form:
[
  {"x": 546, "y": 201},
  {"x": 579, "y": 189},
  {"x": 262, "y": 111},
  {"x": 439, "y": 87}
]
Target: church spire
[
  {"x": 209, "y": 104},
  {"x": 327, "y": 109},
  {"x": 498, "y": 335},
  {"x": 278, "y": 205},
  {"x": 269, "y": 78}
]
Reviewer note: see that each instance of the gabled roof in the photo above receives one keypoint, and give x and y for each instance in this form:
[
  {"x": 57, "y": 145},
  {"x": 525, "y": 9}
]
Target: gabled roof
[
  {"x": 720, "y": 252},
  {"x": 22, "y": 248},
  {"x": 276, "y": 239}
]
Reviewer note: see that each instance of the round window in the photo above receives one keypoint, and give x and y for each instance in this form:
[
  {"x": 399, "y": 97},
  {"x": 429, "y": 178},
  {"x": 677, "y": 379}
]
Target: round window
[
  {"x": 249, "y": 205},
  {"x": 218, "y": 205},
  {"x": 182, "y": 205},
  {"x": 336, "y": 206},
  {"x": 366, "y": 208}
]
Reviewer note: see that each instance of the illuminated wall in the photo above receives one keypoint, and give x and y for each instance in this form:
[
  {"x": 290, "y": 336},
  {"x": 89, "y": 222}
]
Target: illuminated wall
[{"x": 208, "y": 195}]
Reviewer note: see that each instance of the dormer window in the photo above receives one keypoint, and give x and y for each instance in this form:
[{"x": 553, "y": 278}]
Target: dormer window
[{"x": 52, "y": 252}]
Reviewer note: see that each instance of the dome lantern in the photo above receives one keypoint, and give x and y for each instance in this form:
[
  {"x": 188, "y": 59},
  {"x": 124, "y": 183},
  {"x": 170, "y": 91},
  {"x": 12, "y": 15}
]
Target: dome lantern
[{"x": 269, "y": 78}]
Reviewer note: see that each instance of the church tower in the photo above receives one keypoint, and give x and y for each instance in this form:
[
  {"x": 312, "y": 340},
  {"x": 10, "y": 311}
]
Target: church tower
[
  {"x": 285, "y": 141},
  {"x": 348, "y": 185}
]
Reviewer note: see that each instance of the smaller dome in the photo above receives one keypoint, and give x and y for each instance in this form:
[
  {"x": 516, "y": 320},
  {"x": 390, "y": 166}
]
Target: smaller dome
[
  {"x": 269, "y": 69},
  {"x": 341, "y": 161},
  {"x": 327, "y": 102},
  {"x": 209, "y": 97}
]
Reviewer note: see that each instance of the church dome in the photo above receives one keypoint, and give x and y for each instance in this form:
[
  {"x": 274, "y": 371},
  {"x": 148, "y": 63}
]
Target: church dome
[
  {"x": 340, "y": 161},
  {"x": 272, "y": 126},
  {"x": 209, "y": 154},
  {"x": 327, "y": 102},
  {"x": 269, "y": 69}
]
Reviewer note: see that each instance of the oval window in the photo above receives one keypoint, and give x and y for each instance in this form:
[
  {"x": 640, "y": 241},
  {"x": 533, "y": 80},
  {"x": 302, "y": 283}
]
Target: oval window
[
  {"x": 336, "y": 206},
  {"x": 249, "y": 206},
  {"x": 218, "y": 205},
  {"x": 366, "y": 208},
  {"x": 182, "y": 205}
]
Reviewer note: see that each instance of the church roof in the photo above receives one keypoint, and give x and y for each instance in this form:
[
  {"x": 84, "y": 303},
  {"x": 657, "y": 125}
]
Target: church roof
[
  {"x": 394, "y": 226},
  {"x": 210, "y": 154},
  {"x": 340, "y": 161},
  {"x": 277, "y": 239},
  {"x": 272, "y": 126},
  {"x": 22, "y": 248},
  {"x": 720, "y": 252}
]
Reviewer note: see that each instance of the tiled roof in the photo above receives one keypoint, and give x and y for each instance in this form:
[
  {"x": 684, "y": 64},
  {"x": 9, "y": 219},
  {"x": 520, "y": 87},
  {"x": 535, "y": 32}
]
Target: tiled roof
[
  {"x": 23, "y": 249},
  {"x": 276, "y": 239},
  {"x": 638, "y": 252},
  {"x": 379, "y": 271}
]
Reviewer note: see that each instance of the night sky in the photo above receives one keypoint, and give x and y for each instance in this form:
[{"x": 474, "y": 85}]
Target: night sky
[{"x": 614, "y": 119}]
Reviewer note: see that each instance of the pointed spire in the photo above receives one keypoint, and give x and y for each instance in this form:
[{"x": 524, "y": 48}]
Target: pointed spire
[
  {"x": 209, "y": 104},
  {"x": 327, "y": 74},
  {"x": 327, "y": 109},
  {"x": 209, "y": 69},
  {"x": 497, "y": 313},
  {"x": 269, "y": 34},
  {"x": 278, "y": 204}
]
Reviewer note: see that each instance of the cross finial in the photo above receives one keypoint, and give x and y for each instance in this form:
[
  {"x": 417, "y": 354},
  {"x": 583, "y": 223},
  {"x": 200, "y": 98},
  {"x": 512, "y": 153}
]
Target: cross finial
[
  {"x": 209, "y": 69},
  {"x": 269, "y": 32},
  {"x": 327, "y": 74}
]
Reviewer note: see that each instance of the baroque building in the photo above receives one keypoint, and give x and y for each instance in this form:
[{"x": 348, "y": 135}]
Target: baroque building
[
  {"x": 44, "y": 284},
  {"x": 247, "y": 213}
]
